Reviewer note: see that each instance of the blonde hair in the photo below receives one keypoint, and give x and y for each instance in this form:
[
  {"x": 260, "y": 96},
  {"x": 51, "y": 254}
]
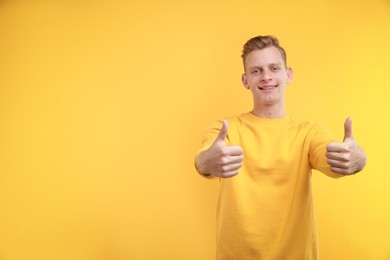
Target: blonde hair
[{"x": 262, "y": 42}]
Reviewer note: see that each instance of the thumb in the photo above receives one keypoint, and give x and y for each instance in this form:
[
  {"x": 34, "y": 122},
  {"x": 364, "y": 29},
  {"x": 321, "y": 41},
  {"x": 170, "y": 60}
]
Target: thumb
[
  {"x": 348, "y": 129},
  {"x": 223, "y": 132}
]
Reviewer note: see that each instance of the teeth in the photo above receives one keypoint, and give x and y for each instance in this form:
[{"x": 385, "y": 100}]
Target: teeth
[{"x": 268, "y": 88}]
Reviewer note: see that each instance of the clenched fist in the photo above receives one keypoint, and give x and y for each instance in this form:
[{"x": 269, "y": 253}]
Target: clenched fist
[
  {"x": 346, "y": 157},
  {"x": 220, "y": 160}
]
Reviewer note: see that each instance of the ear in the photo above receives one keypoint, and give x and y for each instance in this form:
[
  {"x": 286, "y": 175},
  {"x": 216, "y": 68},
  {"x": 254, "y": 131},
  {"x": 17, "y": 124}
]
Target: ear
[
  {"x": 289, "y": 75},
  {"x": 244, "y": 81}
]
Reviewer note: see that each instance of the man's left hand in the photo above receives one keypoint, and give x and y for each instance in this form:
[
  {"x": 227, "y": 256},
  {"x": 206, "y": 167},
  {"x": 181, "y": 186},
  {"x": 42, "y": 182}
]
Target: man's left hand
[{"x": 346, "y": 157}]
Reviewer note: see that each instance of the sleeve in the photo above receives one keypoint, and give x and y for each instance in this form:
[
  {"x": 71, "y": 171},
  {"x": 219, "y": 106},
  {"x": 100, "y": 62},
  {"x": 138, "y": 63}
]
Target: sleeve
[{"x": 320, "y": 137}]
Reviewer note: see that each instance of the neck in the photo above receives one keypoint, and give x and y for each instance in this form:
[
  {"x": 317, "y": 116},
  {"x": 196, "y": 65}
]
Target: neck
[{"x": 270, "y": 112}]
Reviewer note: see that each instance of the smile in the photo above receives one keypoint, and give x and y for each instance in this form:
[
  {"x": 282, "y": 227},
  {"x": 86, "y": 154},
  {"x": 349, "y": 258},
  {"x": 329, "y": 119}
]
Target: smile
[{"x": 268, "y": 87}]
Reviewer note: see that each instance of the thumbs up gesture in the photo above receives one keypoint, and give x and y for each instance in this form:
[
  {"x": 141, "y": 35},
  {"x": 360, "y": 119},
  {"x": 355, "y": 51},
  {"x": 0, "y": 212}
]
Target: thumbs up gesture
[
  {"x": 346, "y": 157},
  {"x": 220, "y": 160}
]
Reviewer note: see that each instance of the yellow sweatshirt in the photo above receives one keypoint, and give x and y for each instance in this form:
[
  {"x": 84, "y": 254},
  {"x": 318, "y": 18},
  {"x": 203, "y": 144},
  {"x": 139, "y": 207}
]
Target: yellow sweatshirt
[{"x": 266, "y": 211}]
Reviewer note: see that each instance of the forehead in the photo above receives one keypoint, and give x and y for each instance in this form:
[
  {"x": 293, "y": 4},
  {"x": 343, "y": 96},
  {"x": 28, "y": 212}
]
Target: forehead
[{"x": 264, "y": 57}]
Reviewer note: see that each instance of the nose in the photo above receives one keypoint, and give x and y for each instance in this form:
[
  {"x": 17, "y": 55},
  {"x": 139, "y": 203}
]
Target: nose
[{"x": 265, "y": 76}]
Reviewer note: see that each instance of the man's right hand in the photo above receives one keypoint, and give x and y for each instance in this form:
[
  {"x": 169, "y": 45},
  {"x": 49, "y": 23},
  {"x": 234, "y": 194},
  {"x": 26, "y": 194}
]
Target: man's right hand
[{"x": 220, "y": 160}]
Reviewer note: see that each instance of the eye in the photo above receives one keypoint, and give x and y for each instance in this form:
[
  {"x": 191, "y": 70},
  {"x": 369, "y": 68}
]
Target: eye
[
  {"x": 255, "y": 71},
  {"x": 275, "y": 68}
]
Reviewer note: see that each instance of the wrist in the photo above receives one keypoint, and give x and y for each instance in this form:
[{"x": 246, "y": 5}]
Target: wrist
[{"x": 199, "y": 166}]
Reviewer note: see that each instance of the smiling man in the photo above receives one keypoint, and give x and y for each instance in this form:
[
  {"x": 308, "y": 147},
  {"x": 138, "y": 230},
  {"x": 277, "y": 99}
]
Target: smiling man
[{"x": 264, "y": 161}]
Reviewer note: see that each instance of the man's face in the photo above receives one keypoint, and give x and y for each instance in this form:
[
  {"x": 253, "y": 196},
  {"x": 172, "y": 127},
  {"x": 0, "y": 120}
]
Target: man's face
[{"x": 266, "y": 76}]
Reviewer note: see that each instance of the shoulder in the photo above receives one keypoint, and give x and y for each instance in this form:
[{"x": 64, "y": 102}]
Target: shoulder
[
  {"x": 215, "y": 126},
  {"x": 236, "y": 120}
]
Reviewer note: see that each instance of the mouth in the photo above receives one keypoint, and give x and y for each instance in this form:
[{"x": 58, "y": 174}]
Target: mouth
[{"x": 268, "y": 87}]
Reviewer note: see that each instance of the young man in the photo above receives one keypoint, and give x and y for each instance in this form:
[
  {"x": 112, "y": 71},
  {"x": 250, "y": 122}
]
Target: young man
[{"x": 264, "y": 160}]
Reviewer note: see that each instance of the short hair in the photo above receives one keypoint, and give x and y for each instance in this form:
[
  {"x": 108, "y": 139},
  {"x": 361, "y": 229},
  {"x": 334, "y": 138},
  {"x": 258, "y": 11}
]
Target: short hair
[{"x": 262, "y": 42}]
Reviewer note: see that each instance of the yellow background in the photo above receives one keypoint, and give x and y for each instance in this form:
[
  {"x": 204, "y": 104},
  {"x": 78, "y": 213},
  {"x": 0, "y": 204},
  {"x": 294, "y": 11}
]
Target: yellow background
[{"x": 103, "y": 105}]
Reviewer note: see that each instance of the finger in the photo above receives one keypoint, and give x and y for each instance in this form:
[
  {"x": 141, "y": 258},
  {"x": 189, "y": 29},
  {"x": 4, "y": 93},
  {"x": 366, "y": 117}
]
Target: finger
[
  {"x": 236, "y": 159},
  {"x": 341, "y": 171},
  {"x": 223, "y": 132},
  {"x": 337, "y": 147},
  {"x": 333, "y": 155},
  {"x": 231, "y": 167},
  {"x": 229, "y": 174},
  {"x": 348, "y": 129},
  {"x": 342, "y": 157},
  {"x": 338, "y": 164},
  {"x": 234, "y": 150}
]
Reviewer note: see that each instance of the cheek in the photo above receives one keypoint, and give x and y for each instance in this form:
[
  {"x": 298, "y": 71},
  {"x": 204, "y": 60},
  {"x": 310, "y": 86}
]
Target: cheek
[
  {"x": 251, "y": 84},
  {"x": 284, "y": 79}
]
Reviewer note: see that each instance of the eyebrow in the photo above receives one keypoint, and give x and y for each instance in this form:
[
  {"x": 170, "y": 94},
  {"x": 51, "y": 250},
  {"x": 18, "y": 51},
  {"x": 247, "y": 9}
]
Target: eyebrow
[{"x": 268, "y": 65}]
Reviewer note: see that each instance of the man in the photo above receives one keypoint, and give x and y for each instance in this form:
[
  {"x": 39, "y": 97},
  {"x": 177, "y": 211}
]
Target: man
[{"x": 264, "y": 160}]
